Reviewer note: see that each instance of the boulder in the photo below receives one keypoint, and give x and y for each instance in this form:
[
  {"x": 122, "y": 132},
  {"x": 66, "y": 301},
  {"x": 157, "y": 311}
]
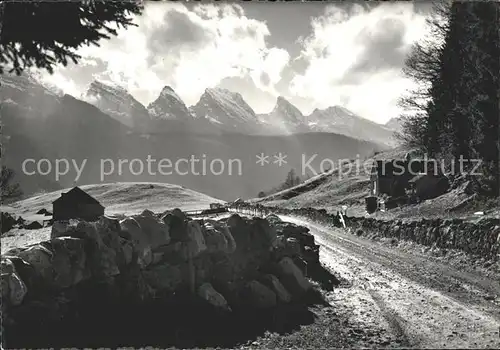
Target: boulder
[
  {"x": 155, "y": 231},
  {"x": 44, "y": 211},
  {"x": 139, "y": 240},
  {"x": 241, "y": 232},
  {"x": 222, "y": 228},
  {"x": 207, "y": 292},
  {"x": 34, "y": 225},
  {"x": 173, "y": 253},
  {"x": 273, "y": 219},
  {"x": 277, "y": 287},
  {"x": 292, "y": 278},
  {"x": 69, "y": 261},
  {"x": 177, "y": 212},
  {"x": 215, "y": 240},
  {"x": 311, "y": 254},
  {"x": 40, "y": 258},
  {"x": 164, "y": 277},
  {"x": 265, "y": 232},
  {"x": 13, "y": 288},
  {"x": 299, "y": 232},
  {"x": 196, "y": 243},
  {"x": 260, "y": 296}
]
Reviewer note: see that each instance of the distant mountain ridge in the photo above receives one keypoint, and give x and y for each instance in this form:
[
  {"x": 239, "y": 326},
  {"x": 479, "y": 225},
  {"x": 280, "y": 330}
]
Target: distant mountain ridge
[
  {"x": 220, "y": 110},
  {"x": 40, "y": 124}
]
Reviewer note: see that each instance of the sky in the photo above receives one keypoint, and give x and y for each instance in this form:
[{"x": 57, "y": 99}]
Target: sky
[{"x": 315, "y": 54}]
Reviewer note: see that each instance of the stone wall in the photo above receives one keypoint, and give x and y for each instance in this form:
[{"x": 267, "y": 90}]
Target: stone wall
[
  {"x": 89, "y": 270},
  {"x": 480, "y": 237}
]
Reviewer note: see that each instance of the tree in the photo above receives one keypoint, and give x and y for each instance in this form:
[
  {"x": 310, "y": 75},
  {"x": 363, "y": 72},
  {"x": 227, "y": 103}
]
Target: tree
[
  {"x": 261, "y": 194},
  {"x": 423, "y": 66},
  {"x": 460, "y": 86},
  {"x": 45, "y": 33},
  {"x": 291, "y": 179},
  {"x": 10, "y": 190}
]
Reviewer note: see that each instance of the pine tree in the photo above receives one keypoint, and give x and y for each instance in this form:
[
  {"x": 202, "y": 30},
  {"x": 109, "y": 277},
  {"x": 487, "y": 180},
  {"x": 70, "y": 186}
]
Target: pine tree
[
  {"x": 9, "y": 189},
  {"x": 461, "y": 115},
  {"x": 43, "y": 34}
]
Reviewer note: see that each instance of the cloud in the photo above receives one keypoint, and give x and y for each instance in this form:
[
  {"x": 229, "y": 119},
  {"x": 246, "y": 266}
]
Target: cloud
[
  {"x": 189, "y": 49},
  {"x": 355, "y": 55},
  {"x": 260, "y": 100},
  {"x": 351, "y": 56}
]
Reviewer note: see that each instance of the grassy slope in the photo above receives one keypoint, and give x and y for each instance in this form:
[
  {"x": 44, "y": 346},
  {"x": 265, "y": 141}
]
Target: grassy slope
[
  {"x": 118, "y": 198},
  {"x": 331, "y": 190}
]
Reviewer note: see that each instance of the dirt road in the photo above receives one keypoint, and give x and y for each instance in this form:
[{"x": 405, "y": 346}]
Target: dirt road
[{"x": 407, "y": 300}]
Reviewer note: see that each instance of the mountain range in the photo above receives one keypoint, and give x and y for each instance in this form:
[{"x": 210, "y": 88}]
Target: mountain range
[
  {"x": 221, "y": 110},
  {"x": 107, "y": 122}
]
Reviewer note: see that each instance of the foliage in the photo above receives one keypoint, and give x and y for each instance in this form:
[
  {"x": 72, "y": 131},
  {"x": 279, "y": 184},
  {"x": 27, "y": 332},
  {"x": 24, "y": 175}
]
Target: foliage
[
  {"x": 291, "y": 180},
  {"x": 46, "y": 33},
  {"x": 457, "y": 103},
  {"x": 10, "y": 190}
]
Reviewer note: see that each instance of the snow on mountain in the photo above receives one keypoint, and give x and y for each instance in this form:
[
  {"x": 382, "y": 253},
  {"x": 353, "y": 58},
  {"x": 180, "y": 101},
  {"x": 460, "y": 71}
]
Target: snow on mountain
[
  {"x": 226, "y": 109},
  {"x": 168, "y": 105},
  {"x": 285, "y": 117},
  {"x": 25, "y": 91},
  {"x": 118, "y": 103},
  {"x": 340, "y": 120}
]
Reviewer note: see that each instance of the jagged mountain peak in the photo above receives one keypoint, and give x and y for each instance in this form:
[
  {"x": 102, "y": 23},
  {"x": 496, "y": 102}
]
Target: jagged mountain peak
[
  {"x": 168, "y": 105},
  {"x": 226, "y": 109},
  {"x": 282, "y": 104},
  {"x": 117, "y": 102},
  {"x": 168, "y": 91},
  {"x": 224, "y": 94},
  {"x": 285, "y": 117},
  {"x": 107, "y": 86}
]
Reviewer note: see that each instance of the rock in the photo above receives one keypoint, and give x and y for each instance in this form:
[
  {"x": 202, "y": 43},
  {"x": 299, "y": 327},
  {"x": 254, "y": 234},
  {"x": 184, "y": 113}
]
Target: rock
[
  {"x": 139, "y": 240},
  {"x": 155, "y": 231},
  {"x": 127, "y": 250},
  {"x": 235, "y": 221},
  {"x": 44, "y": 212},
  {"x": 311, "y": 254},
  {"x": 241, "y": 231},
  {"x": 292, "y": 278},
  {"x": 301, "y": 264},
  {"x": 176, "y": 227},
  {"x": 222, "y": 228},
  {"x": 215, "y": 240},
  {"x": 273, "y": 219},
  {"x": 177, "y": 212},
  {"x": 207, "y": 292},
  {"x": 266, "y": 231},
  {"x": 196, "y": 243},
  {"x": 13, "y": 288},
  {"x": 173, "y": 253},
  {"x": 34, "y": 225},
  {"x": 293, "y": 246},
  {"x": 40, "y": 258},
  {"x": 69, "y": 261},
  {"x": 260, "y": 296},
  {"x": 76, "y": 229},
  {"x": 299, "y": 232},
  {"x": 164, "y": 277},
  {"x": 275, "y": 285}
]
